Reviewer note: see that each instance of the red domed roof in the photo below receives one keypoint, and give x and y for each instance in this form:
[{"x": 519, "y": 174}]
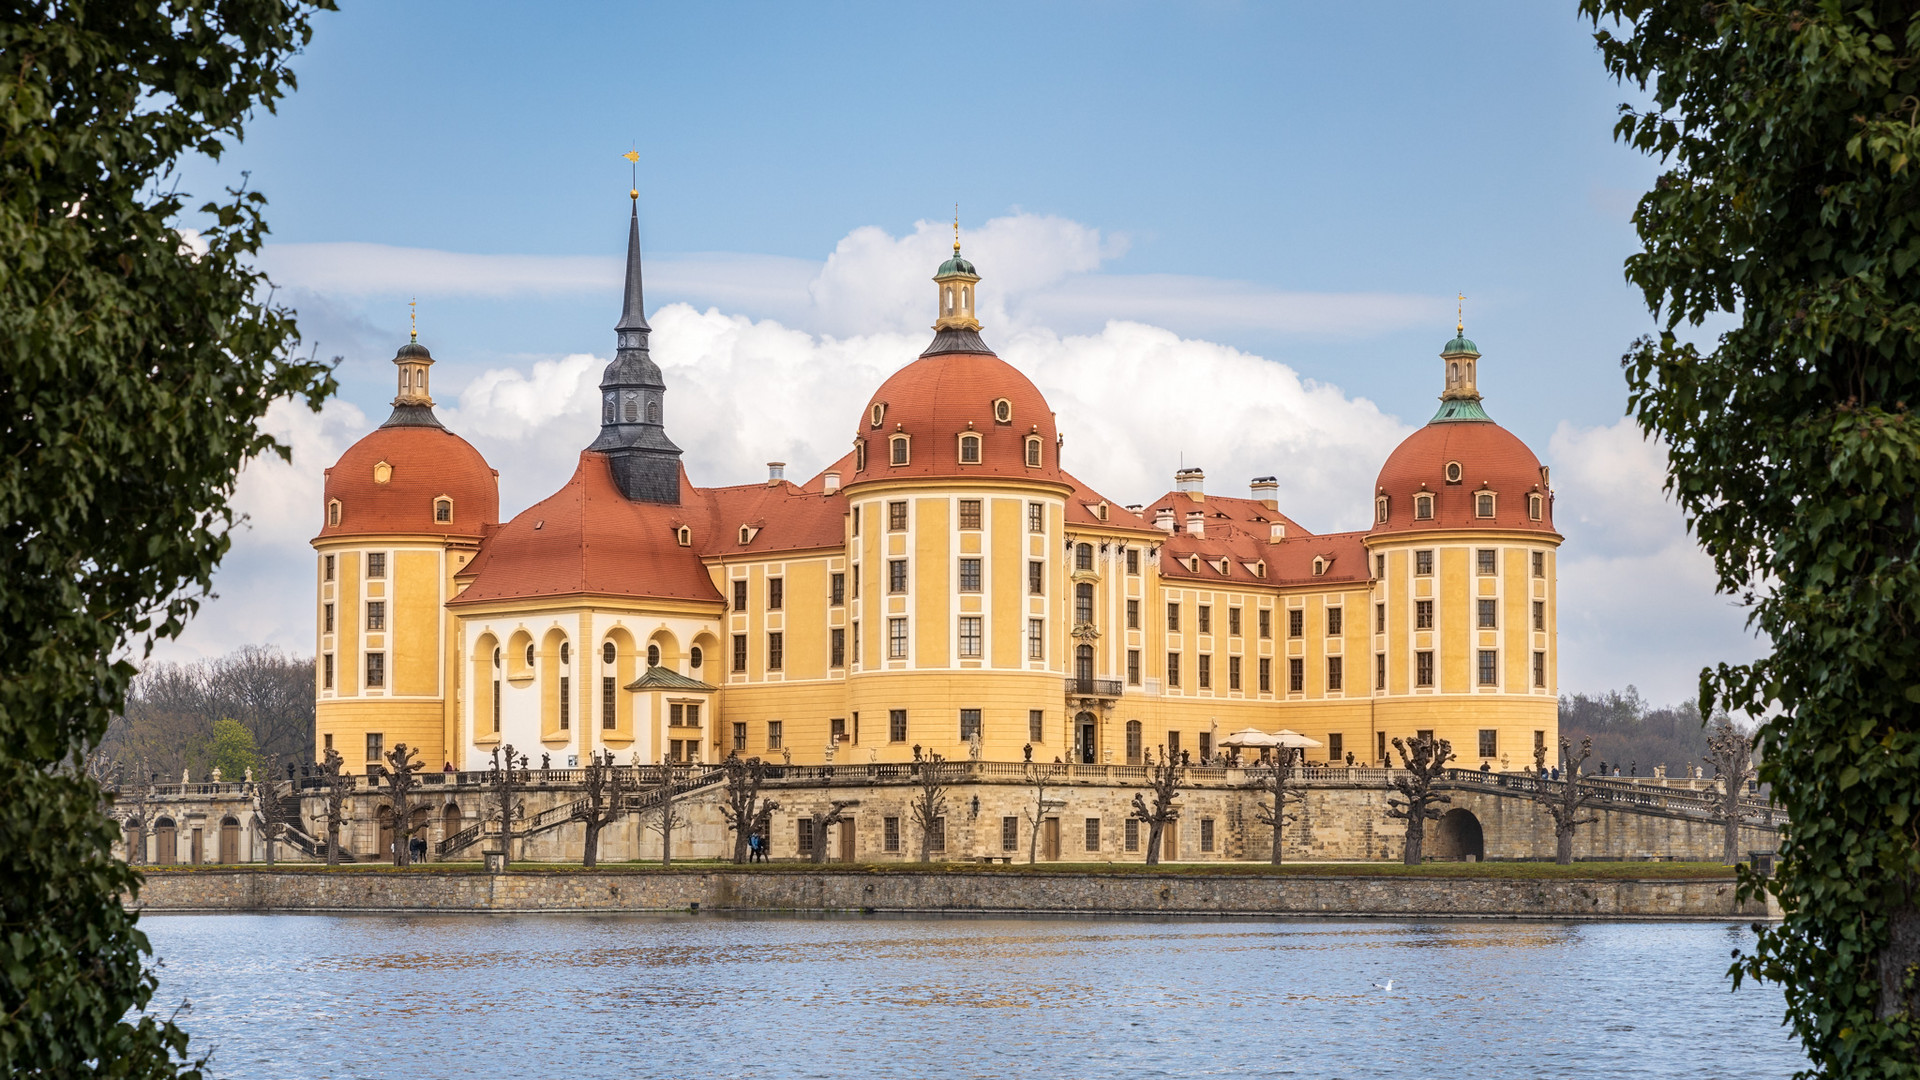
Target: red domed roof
[
  {"x": 940, "y": 397},
  {"x": 1491, "y": 459},
  {"x": 423, "y": 463}
]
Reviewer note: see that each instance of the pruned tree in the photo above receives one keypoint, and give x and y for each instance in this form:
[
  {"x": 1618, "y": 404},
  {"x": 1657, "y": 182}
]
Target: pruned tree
[
  {"x": 1421, "y": 763},
  {"x": 336, "y": 794},
  {"x": 1566, "y": 802},
  {"x": 503, "y": 784},
  {"x": 132, "y": 799},
  {"x": 1040, "y": 777},
  {"x": 1164, "y": 780},
  {"x": 742, "y": 800},
  {"x": 601, "y": 807},
  {"x": 1730, "y": 752},
  {"x": 1275, "y": 779},
  {"x": 929, "y": 807},
  {"x": 402, "y": 764},
  {"x": 268, "y": 808},
  {"x": 664, "y": 816},
  {"x": 834, "y": 814},
  {"x": 763, "y": 824}
]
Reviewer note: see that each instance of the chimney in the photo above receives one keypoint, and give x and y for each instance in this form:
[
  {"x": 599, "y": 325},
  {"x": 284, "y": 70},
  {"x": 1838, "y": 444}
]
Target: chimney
[
  {"x": 1196, "y": 523},
  {"x": 1163, "y": 519},
  {"x": 1193, "y": 482},
  {"x": 1266, "y": 489},
  {"x": 776, "y": 473},
  {"x": 1279, "y": 533},
  {"x": 833, "y": 482}
]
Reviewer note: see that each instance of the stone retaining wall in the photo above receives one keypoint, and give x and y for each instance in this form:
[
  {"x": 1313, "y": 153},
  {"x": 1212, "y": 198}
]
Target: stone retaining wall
[{"x": 895, "y": 890}]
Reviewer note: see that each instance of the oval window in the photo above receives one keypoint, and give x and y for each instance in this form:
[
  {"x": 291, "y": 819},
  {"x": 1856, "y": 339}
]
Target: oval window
[
  {"x": 529, "y": 654},
  {"x": 1003, "y": 411},
  {"x": 653, "y": 656},
  {"x": 694, "y": 657},
  {"x": 1453, "y": 472},
  {"x": 566, "y": 655},
  {"x": 606, "y": 653},
  {"x": 879, "y": 413}
]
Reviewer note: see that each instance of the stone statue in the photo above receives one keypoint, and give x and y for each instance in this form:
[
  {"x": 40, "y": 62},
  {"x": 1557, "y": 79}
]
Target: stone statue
[
  {"x": 916, "y": 751},
  {"x": 216, "y": 774},
  {"x": 1026, "y": 753},
  {"x": 973, "y": 745},
  {"x": 786, "y": 755},
  {"x": 636, "y": 757},
  {"x": 832, "y": 745},
  {"x": 183, "y": 776},
  {"x": 546, "y": 762},
  {"x": 249, "y": 775}
]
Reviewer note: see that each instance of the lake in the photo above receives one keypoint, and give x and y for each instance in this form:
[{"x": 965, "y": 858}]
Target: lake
[{"x": 730, "y": 996}]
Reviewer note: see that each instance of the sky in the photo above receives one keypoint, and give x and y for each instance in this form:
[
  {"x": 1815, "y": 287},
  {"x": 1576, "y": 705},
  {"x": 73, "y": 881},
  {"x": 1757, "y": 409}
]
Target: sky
[{"x": 1216, "y": 234}]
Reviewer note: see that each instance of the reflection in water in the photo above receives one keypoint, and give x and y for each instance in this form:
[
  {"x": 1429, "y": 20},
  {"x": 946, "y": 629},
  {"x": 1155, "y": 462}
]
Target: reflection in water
[{"x": 711, "y": 996}]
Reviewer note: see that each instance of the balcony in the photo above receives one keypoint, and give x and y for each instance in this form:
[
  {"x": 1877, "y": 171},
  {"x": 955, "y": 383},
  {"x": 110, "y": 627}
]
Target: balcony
[{"x": 1093, "y": 688}]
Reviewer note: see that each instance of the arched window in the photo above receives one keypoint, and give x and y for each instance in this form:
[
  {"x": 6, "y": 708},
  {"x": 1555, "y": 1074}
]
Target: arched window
[
  {"x": 1003, "y": 411},
  {"x": 1380, "y": 509},
  {"x": 859, "y": 455},
  {"x": 682, "y": 536},
  {"x": 333, "y": 512},
  {"x": 1453, "y": 373},
  {"x": 1483, "y": 504},
  {"x": 969, "y": 449},
  {"x": 1535, "y": 505},
  {"x": 653, "y": 656},
  {"x": 949, "y": 292},
  {"x": 966, "y": 300},
  {"x": 606, "y": 409},
  {"x": 1469, "y": 371},
  {"x": 898, "y": 444},
  {"x": 1319, "y": 566},
  {"x": 653, "y": 412},
  {"x": 1033, "y": 451},
  {"x": 443, "y": 509},
  {"x": 1423, "y": 507},
  {"x": 632, "y": 412},
  {"x": 565, "y": 654}
]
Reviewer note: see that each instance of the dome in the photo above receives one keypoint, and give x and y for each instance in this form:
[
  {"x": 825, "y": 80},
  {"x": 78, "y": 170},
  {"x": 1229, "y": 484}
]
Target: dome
[
  {"x": 1459, "y": 346},
  {"x": 413, "y": 349},
  {"x": 955, "y": 265},
  {"x": 942, "y": 396},
  {"x": 1491, "y": 459},
  {"x": 389, "y": 482}
]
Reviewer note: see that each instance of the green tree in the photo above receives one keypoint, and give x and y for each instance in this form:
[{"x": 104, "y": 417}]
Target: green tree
[
  {"x": 1790, "y": 211},
  {"x": 231, "y": 749},
  {"x": 134, "y": 372}
]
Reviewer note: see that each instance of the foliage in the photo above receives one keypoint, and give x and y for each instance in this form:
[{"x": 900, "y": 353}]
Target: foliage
[
  {"x": 1633, "y": 734},
  {"x": 171, "y": 710},
  {"x": 1790, "y": 209},
  {"x": 134, "y": 373},
  {"x": 231, "y": 750}
]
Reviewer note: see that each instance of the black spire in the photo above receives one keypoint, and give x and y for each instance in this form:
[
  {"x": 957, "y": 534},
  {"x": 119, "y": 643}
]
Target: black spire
[{"x": 646, "y": 464}]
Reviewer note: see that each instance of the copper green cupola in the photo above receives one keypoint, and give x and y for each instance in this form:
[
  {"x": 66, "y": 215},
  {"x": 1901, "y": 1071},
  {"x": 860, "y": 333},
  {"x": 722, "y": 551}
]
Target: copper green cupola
[
  {"x": 1461, "y": 398},
  {"x": 955, "y": 327}
]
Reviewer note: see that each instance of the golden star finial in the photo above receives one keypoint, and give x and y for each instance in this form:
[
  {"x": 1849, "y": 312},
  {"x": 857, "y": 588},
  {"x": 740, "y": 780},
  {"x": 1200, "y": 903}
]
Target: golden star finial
[
  {"x": 1460, "y": 317},
  {"x": 413, "y": 319},
  {"x": 956, "y": 229},
  {"x": 633, "y": 159}
]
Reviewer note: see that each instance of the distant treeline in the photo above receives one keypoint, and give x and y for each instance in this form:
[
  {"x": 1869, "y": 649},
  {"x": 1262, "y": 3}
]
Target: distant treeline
[
  {"x": 1629, "y": 733},
  {"x": 182, "y": 716}
]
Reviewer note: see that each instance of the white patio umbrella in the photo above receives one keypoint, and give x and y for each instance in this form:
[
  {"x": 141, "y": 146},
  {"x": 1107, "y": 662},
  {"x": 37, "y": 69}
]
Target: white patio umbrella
[
  {"x": 1285, "y": 737},
  {"x": 1249, "y": 737}
]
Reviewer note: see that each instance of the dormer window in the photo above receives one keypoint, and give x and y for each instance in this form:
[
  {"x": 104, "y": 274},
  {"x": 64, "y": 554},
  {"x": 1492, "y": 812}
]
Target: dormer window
[
  {"x": 1380, "y": 510},
  {"x": 682, "y": 536},
  {"x": 1033, "y": 451},
  {"x": 1423, "y": 507},
  {"x": 1003, "y": 411},
  {"x": 333, "y": 511},
  {"x": 898, "y": 445},
  {"x": 1483, "y": 504},
  {"x": 1453, "y": 472},
  {"x": 1319, "y": 566},
  {"x": 747, "y": 533},
  {"x": 1536, "y": 506},
  {"x": 969, "y": 449},
  {"x": 859, "y": 455},
  {"x": 443, "y": 509},
  {"x": 879, "y": 413},
  {"x": 1260, "y": 568}
]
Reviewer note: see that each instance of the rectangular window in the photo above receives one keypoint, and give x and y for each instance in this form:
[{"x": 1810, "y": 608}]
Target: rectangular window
[
  {"x": 1083, "y": 604},
  {"x": 837, "y": 648},
  {"x": 1266, "y": 675},
  {"x": 607, "y": 686},
  {"x": 1036, "y": 639},
  {"x": 896, "y": 575},
  {"x": 1036, "y": 517},
  {"x": 1379, "y": 566},
  {"x": 376, "y": 614},
  {"x": 896, "y": 725},
  {"x": 1486, "y": 558},
  {"x": 896, "y": 639},
  {"x": 1036, "y": 578},
  {"x": 566, "y": 702},
  {"x": 376, "y": 669},
  {"x": 329, "y": 743},
  {"x": 328, "y": 611},
  {"x": 937, "y": 835},
  {"x": 329, "y": 571},
  {"x": 776, "y": 650},
  {"x": 969, "y": 513},
  {"x": 837, "y": 730},
  {"x": 1206, "y": 671},
  {"x": 1173, "y": 745},
  {"x": 1133, "y": 667},
  {"x": 856, "y": 581},
  {"x": 1379, "y": 618},
  {"x": 1423, "y": 614},
  {"x": 970, "y": 636},
  {"x": 837, "y": 589},
  {"x": 376, "y": 564},
  {"x": 1539, "y": 564},
  {"x": 1296, "y": 675},
  {"x": 677, "y": 715},
  {"x": 1206, "y": 745},
  {"x": 776, "y": 593},
  {"x": 1489, "y": 667},
  {"x": 1336, "y": 674},
  {"x": 1206, "y": 618},
  {"x": 1206, "y": 834},
  {"x": 1296, "y": 623},
  {"x": 1133, "y": 834},
  {"x": 1334, "y": 617},
  {"x": 896, "y": 516},
  {"x": 969, "y": 575},
  {"x": 1133, "y": 614},
  {"x": 1380, "y": 671},
  {"x": 1336, "y": 746},
  {"x": 1093, "y": 834},
  {"x": 1173, "y": 617},
  {"x": 496, "y": 708},
  {"x": 740, "y": 736},
  {"x": 740, "y": 595},
  {"x": 1036, "y": 725},
  {"x": 1173, "y": 669},
  {"x": 1133, "y": 561},
  {"x": 1266, "y": 623},
  {"x": 1233, "y": 621},
  {"x": 1540, "y": 669},
  {"x": 890, "y": 834},
  {"x": 1423, "y": 668},
  {"x": 1423, "y": 563},
  {"x": 969, "y": 723},
  {"x": 1233, "y": 673},
  {"x": 326, "y": 672},
  {"x": 1489, "y": 742},
  {"x": 774, "y": 734},
  {"x": 376, "y": 748},
  {"x": 804, "y": 827},
  {"x": 1489, "y": 613},
  {"x": 1539, "y": 614},
  {"x": 1009, "y": 834}
]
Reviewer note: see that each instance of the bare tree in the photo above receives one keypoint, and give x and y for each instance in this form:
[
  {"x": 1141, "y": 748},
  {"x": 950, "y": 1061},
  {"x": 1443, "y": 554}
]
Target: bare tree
[
  {"x": 1566, "y": 803},
  {"x": 763, "y": 824},
  {"x": 338, "y": 790},
  {"x": 268, "y": 807},
  {"x": 1275, "y": 779},
  {"x": 171, "y": 709},
  {"x": 1040, "y": 777},
  {"x": 744, "y": 778},
  {"x": 402, "y": 763},
  {"x": 1164, "y": 780},
  {"x": 503, "y": 782},
  {"x": 1420, "y": 767},
  {"x": 133, "y": 799},
  {"x": 929, "y": 808},
  {"x": 1730, "y": 752},
  {"x": 664, "y": 815},
  {"x": 834, "y": 814},
  {"x": 605, "y": 792}
]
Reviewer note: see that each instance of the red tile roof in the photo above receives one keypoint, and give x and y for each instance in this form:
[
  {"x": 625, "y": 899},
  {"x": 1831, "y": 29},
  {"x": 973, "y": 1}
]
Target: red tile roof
[
  {"x": 935, "y": 399},
  {"x": 427, "y": 462},
  {"x": 1490, "y": 457}
]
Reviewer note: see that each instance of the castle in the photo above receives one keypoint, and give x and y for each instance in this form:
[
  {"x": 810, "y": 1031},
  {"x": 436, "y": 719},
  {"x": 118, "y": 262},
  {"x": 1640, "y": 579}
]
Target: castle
[{"x": 946, "y": 586}]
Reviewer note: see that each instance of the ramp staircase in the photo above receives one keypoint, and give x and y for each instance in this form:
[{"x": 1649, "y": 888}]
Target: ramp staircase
[{"x": 547, "y": 820}]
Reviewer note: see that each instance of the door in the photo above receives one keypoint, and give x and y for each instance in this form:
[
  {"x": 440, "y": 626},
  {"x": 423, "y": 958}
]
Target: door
[
  {"x": 199, "y": 850},
  {"x": 1083, "y": 665},
  {"x": 1050, "y": 840},
  {"x": 1086, "y": 739},
  {"x": 1170, "y": 842},
  {"x": 229, "y": 840},
  {"x": 846, "y": 839},
  {"x": 449, "y": 821},
  {"x": 166, "y": 842},
  {"x": 1133, "y": 742},
  {"x": 385, "y": 850}
]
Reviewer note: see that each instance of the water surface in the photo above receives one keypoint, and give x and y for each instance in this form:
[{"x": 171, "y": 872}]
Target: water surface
[{"x": 711, "y": 996}]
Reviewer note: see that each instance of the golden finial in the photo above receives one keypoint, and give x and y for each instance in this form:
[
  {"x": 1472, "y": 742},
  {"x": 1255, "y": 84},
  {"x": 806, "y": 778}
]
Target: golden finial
[
  {"x": 956, "y": 229},
  {"x": 633, "y": 160},
  {"x": 1460, "y": 316},
  {"x": 413, "y": 319}
]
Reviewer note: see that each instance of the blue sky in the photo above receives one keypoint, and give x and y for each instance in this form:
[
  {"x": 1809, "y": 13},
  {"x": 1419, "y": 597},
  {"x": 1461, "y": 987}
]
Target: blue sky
[{"x": 1305, "y": 187}]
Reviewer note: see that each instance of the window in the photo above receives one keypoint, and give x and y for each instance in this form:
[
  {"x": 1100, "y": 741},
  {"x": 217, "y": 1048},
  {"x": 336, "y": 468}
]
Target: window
[
  {"x": 1133, "y": 667},
  {"x": 1380, "y": 509},
  {"x": 1296, "y": 675},
  {"x": 328, "y": 572},
  {"x": 1453, "y": 468},
  {"x": 683, "y": 536},
  {"x": 1319, "y": 566},
  {"x": 1333, "y": 621},
  {"x": 1093, "y": 834},
  {"x": 774, "y": 735},
  {"x": 739, "y": 652},
  {"x": 896, "y": 639},
  {"x": 326, "y": 671},
  {"x": 376, "y": 748},
  {"x": 1489, "y": 742},
  {"x": 1173, "y": 669},
  {"x": 1266, "y": 623},
  {"x": 1423, "y": 668},
  {"x": 327, "y": 616},
  {"x": 1206, "y": 618},
  {"x": 776, "y": 593},
  {"x": 969, "y": 513},
  {"x": 1233, "y": 621},
  {"x": 970, "y": 636},
  {"x": 837, "y": 730},
  {"x": 1423, "y": 508},
  {"x": 1036, "y": 725},
  {"x": 896, "y": 516},
  {"x": 653, "y": 656},
  {"x": 896, "y": 725},
  {"x": 1336, "y": 674},
  {"x": 1379, "y": 618},
  {"x": 1535, "y": 507},
  {"x": 1036, "y": 517},
  {"x": 1336, "y": 746},
  {"x": 837, "y": 648},
  {"x": 1173, "y": 745},
  {"x": 1487, "y": 559},
  {"x": 606, "y": 704},
  {"x": 566, "y": 702},
  {"x": 1009, "y": 834},
  {"x": 1133, "y": 834},
  {"x": 376, "y": 669},
  {"x": 1036, "y": 577},
  {"x": 776, "y": 650},
  {"x": 1539, "y": 614},
  {"x": 969, "y": 451},
  {"x": 969, "y": 723},
  {"x": 1083, "y": 556},
  {"x": 1483, "y": 504},
  {"x": 1233, "y": 673},
  {"x": 443, "y": 509},
  {"x": 1423, "y": 563},
  {"x": 1082, "y": 604},
  {"x": 496, "y": 706},
  {"x": 1539, "y": 564},
  {"x": 1489, "y": 667},
  {"x": 969, "y": 575},
  {"x": 1133, "y": 561},
  {"x": 1489, "y": 614},
  {"x": 878, "y": 413},
  {"x": 1540, "y": 669},
  {"x": 1423, "y": 614},
  {"x": 607, "y": 653},
  {"x": 1002, "y": 408},
  {"x": 837, "y": 589},
  {"x": 1296, "y": 623},
  {"x": 376, "y": 564},
  {"x": 1173, "y": 617},
  {"x": 1036, "y": 639},
  {"x": 805, "y": 827},
  {"x": 1266, "y": 675},
  {"x": 1380, "y": 566},
  {"x": 740, "y": 595},
  {"x": 333, "y": 515},
  {"x": 890, "y": 834},
  {"x": 897, "y": 446},
  {"x": 1206, "y": 834},
  {"x": 1206, "y": 745},
  {"x": 896, "y": 575},
  {"x": 859, "y": 461},
  {"x": 1206, "y": 671},
  {"x": 1379, "y": 671},
  {"x": 740, "y": 736},
  {"x": 937, "y": 834},
  {"x": 1034, "y": 452}
]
